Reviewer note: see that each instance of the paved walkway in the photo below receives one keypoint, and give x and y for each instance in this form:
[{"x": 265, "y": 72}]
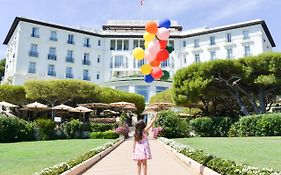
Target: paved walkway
[{"x": 119, "y": 162}]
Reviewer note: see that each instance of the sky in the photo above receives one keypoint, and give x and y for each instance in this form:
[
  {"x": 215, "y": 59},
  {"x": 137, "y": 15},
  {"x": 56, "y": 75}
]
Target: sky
[{"x": 189, "y": 13}]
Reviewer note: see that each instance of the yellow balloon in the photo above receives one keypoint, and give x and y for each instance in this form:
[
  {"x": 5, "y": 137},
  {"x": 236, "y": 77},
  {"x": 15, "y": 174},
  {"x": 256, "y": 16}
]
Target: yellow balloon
[
  {"x": 146, "y": 69},
  {"x": 138, "y": 53},
  {"x": 148, "y": 36},
  {"x": 146, "y": 44}
]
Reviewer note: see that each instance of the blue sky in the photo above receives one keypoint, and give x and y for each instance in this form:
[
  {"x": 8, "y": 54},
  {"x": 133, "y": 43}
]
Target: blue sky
[{"x": 189, "y": 13}]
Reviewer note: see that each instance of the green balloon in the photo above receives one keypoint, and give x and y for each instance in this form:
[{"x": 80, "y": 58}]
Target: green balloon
[
  {"x": 170, "y": 48},
  {"x": 166, "y": 76}
]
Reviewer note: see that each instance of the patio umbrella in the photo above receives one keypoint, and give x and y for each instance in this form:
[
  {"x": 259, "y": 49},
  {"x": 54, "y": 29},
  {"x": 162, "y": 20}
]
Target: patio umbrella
[
  {"x": 6, "y": 104},
  {"x": 63, "y": 107},
  {"x": 130, "y": 108},
  {"x": 161, "y": 106},
  {"x": 121, "y": 104},
  {"x": 81, "y": 109},
  {"x": 36, "y": 105},
  {"x": 95, "y": 105}
]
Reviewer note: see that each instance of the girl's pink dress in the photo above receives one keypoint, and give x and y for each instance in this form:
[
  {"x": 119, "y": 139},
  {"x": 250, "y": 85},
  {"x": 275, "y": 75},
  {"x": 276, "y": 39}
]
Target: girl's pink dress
[{"x": 142, "y": 149}]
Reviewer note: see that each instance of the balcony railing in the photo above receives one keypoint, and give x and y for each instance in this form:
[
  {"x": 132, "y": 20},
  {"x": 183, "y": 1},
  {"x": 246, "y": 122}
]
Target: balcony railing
[
  {"x": 52, "y": 57},
  {"x": 86, "y": 62},
  {"x": 34, "y": 35},
  {"x": 52, "y": 73},
  {"x": 87, "y": 45},
  {"x": 53, "y": 39},
  {"x": 31, "y": 71},
  {"x": 33, "y": 54},
  {"x": 69, "y": 59},
  {"x": 87, "y": 78},
  {"x": 70, "y": 42},
  {"x": 69, "y": 75}
]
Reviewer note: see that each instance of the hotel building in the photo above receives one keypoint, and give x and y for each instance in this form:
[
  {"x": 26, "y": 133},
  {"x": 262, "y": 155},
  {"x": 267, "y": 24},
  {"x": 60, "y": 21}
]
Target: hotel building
[{"x": 43, "y": 50}]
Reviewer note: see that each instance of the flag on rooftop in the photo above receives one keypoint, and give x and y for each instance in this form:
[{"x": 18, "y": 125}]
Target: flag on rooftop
[{"x": 141, "y": 2}]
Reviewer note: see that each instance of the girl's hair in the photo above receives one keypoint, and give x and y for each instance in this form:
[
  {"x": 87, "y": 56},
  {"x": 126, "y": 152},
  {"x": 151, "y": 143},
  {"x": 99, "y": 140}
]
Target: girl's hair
[{"x": 140, "y": 125}]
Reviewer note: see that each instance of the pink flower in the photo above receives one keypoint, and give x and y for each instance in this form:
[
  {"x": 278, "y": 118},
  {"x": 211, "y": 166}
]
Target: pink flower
[{"x": 156, "y": 131}]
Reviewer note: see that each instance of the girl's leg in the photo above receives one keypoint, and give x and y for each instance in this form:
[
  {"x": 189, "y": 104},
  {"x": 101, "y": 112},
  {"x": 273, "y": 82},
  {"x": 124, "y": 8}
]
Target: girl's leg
[
  {"x": 139, "y": 167},
  {"x": 144, "y": 165}
]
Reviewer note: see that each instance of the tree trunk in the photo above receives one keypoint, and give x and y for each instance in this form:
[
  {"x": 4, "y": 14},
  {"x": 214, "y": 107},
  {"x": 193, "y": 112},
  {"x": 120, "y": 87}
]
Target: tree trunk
[{"x": 237, "y": 97}]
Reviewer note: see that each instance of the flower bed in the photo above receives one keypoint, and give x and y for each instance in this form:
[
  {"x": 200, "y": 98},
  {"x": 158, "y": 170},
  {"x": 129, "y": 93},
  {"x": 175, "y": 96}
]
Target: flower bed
[
  {"x": 222, "y": 166},
  {"x": 64, "y": 166}
]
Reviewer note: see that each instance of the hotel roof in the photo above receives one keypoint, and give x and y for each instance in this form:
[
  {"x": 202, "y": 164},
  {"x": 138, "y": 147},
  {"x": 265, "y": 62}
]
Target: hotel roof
[{"x": 182, "y": 34}]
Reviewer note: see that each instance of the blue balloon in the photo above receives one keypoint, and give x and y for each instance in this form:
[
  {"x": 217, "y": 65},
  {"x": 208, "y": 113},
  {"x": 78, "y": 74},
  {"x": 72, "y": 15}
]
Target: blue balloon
[
  {"x": 165, "y": 23},
  {"x": 148, "y": 78}
]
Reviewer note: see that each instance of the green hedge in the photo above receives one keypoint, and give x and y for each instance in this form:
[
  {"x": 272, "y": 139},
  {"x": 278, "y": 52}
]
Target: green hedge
[
  {"x": 104, "y": 135},
  {"x": 13, "y": 129},
  {"x": 12, "y": 94},
  {"x": 211, "y": 126},
  {"x": 101, "y": 127},
  {"x": 257, "y": 125},
  {"x": 173, "y": 126}
]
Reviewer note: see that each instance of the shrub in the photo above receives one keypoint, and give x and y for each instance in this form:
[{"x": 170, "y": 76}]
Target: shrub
[
  {"x": 12, "y": 94},
  {"x": 101, "y": 127},
  {"x": 104, "y": 120},
  {"x": 72, "y": 129},
  {"x": 123, "y": 130},
  {"x": 211, "y": 126},
  {"x": 46, "y": 129},
  {"x": 173, "y": 125},
  {"x": 104, "y": 135},
  {"x": 13, "y": 129}
]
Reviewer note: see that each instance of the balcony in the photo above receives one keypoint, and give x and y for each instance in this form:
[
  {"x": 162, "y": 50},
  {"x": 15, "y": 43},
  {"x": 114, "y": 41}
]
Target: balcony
[
  {"x": 52, "y": 57},
  {"x": 87, "y": 78},
  {"x": 70, "y": 42},
  {"x": 86, "y": 62},
  {"x": 31, "y": 71},
  {"x": 87, "y": 45},
  {"x": 52, "y": 73},
  {"x": 69, "y": 75},
  {"x": 34, "y": 35},
  {"x": 53, "y": 39},
  {"x": 33, "y": 54},
  {"x": 69, "y": 59}
]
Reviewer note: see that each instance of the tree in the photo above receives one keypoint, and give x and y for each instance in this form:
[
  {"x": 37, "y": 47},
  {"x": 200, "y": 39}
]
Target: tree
[
  {"x": 252, "y": 82},
  {"x": 164, "y": 96},
  {"x": 12, "y": 94},
  {"x": 2, "y": 68}
]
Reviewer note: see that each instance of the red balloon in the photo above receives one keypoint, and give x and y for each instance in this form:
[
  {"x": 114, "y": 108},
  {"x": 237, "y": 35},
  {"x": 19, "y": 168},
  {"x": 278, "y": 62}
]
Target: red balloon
[
  {"x": 162, "y": 55},
  {"x": 156, "y": 73},
  {"x": 163, "y": 44},
  {"x": 155, "y": 63}
]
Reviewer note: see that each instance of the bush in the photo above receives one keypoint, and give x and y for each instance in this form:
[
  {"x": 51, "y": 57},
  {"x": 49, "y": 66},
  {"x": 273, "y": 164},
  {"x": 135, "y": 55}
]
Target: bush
[
  {"x": 72, "y": 129},
  {"x": 13, "y": 129},
  {"x": 46, "y": 129},
  {"x": 173, "y": 126},
  {"x": 101, "y": 127},
  {"x": 211, "y": 126},
  {"x": 257, "y": 125},
  {"x": 104, "y": 135},
  {"x": 104, "y": 120},
  {"x": 12, "y": 94},
  {"x": 123, "y": 130}
]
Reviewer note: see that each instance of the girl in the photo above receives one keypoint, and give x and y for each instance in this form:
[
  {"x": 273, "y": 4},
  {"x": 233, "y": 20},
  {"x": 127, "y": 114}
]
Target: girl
[{"x": 141, "y": 146}]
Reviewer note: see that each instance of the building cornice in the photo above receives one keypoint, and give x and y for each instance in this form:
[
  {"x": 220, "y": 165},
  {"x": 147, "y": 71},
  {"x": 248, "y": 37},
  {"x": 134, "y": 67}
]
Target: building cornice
[{"x": 181, "y": 36}]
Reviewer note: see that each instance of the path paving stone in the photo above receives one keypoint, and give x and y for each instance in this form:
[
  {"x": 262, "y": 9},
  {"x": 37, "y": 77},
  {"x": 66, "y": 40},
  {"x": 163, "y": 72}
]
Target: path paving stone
[{"x": 119, "y": 162}]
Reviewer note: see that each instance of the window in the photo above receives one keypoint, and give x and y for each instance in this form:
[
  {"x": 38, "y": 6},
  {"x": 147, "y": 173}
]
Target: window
[
  {"x": 197, "y": 58},
  {"x": 136, "y": 43},
  {"x": 51, "y": 70},
  {"x": 112, "y": 44},
  {"x": 68, "y": 72},
  {"x": 86, "y": 59},
  {"x": 99, "y": 43},
  {"x": 70, "y": 39},
  {"x": 53, "y": 36},
  {"x": 229, "y": 53},
  {"x": 140, "y": 63},
  {"x": 172, "y": 42},
  {"x": 228, "y": 38},
  {"x": 119, "y": 44},
  {"x": 196, "y": 43},
  {"x": 35, "y": 32},
  {"x": 98, "y": 59},
  {"x": 33, "y": 50},
  {"x": 184, "y": 43},
  {"x": 160, "y": 89},
  {"x": 172, "y": 63},
  {"x": 98, "y": 75},
  {"x": 143, "y": 90},
  {"x": 142, "y": 44},
  {"x": 122, "y": 88},
  {"x": 32, "y": 67},
  {"x": 212, "y": 40},
  {"x": 165, "y": 63},
  {"x": 118, "y": 62},
  {"x": 247, "y": 50},
  {"x": 184, "y": 59},
  {"x": 213, "y": 55},
  {"x": 246, "y": 34},
  {"x": 126, "y": 44},
  {"x": 69, "y": 57},
  {"x": 86, "y": 75},
  {"x": 52, "y": 54},
  {"x": 87, "y": 42}
]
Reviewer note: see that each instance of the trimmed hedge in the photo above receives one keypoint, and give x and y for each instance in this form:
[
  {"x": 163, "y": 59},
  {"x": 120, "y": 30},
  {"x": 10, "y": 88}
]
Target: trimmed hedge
[
  {"x": 13, "y": 129},
  {"x": 101, "y": 127},
  {"x": 12, "y": 94},
  {"x": 104, "y": 135},
  {"x": 257, "y": 125},
  {"x": 211, "y": 126}
]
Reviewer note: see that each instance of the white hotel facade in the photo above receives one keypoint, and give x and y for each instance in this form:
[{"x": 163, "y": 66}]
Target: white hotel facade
[{"x": 42, "y": 50}]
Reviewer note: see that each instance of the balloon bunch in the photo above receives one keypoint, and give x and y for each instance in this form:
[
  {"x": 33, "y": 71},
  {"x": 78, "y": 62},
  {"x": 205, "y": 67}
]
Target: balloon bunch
[{"x": 157, "y": 50}]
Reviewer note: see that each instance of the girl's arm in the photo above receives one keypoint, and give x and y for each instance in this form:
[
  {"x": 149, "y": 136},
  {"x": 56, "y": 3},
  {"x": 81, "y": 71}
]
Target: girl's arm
[{"x": 151, "y": 122}]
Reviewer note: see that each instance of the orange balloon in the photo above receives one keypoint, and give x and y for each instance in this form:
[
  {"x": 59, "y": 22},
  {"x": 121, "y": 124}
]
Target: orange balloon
[
  {"x": 155, "y": 63},
  {"x": 151, "y": 27}
]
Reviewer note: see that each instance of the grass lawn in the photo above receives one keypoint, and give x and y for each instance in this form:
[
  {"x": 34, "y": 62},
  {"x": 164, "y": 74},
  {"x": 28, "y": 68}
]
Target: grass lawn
[
  {"x": 263, "y": 152},
  {"x": 25, "y": 158}
]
